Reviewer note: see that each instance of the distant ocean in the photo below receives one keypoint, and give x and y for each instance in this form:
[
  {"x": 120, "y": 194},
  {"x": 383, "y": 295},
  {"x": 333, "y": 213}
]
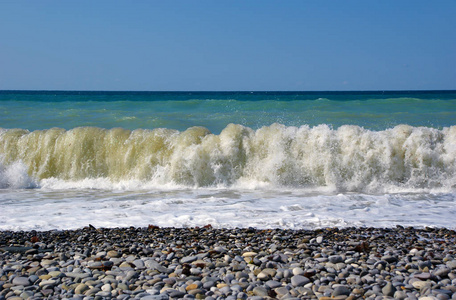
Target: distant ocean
[{"x": 229, "y": 159}]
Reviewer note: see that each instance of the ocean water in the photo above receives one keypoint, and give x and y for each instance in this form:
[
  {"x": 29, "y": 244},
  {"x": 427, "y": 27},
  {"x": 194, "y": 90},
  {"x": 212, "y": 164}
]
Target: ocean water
[{"x": 229, "y": 159}]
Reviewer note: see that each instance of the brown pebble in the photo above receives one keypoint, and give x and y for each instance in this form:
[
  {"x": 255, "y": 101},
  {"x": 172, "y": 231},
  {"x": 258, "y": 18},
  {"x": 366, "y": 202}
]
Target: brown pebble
[{"x": 191, "y": 287}]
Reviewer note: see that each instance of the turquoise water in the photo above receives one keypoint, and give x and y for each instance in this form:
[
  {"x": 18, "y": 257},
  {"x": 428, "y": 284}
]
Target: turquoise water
[
  {"x": 215, "y": 110},
  {"x": 261, "y": 159}
]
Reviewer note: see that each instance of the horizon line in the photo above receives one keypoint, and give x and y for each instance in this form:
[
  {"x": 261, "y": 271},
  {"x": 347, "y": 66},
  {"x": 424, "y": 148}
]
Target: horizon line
[{"x": 230, "y": 91}]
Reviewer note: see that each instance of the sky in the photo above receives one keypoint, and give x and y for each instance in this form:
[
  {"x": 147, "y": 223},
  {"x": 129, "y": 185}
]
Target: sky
[{"x": 228, "y": 45}]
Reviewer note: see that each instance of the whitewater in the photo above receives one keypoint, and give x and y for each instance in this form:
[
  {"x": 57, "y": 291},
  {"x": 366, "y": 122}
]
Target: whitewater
[{"x": 264, "y": 160}]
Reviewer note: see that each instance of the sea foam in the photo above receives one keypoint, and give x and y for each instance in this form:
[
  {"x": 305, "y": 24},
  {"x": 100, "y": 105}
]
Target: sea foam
[
  {"x": 346, "y": 159},
  {"x": 15, "y": 176}
]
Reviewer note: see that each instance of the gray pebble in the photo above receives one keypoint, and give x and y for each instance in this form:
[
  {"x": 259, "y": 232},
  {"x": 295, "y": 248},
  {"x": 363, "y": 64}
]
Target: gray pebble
[
  {"x": 135, "y": 263},
  {"x": 273, "y": 284},
  {"x": 299, "y": 280},
  {"x": 388, "y": 289},
  {"x": 442, "y": 272},
  {"x": 335, "y": 259},
  {"x": 21, "y": 281},
  {"x": 188, "y": 259}
]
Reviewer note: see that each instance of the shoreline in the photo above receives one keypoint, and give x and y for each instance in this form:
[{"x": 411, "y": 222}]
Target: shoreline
[{"x": 239, "y": 263}]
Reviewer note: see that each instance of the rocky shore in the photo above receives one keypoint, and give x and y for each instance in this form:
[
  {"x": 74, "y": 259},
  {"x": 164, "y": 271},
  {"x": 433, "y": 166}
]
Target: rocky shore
[{"x": 209, "y": 263}]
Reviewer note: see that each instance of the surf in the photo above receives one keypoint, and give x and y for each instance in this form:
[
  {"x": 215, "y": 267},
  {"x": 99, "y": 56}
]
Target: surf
[{"x": 346, "y": 159}]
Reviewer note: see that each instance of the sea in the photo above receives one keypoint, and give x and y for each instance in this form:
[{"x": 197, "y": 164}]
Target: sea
[{"x": 290, "y": 160}]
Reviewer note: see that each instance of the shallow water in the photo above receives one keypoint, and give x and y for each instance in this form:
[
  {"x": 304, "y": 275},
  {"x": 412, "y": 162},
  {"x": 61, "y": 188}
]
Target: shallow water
[{"x": 43, "y": 209}]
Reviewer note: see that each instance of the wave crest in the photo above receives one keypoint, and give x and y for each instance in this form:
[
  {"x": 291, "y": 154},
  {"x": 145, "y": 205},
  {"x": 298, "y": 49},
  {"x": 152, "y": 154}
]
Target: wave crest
[{"x": 346, "y": 159}]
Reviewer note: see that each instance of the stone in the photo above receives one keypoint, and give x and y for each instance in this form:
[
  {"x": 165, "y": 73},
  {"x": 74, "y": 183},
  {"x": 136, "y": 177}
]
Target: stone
[
  {"x": 263, "y": 276},
  {"x": 126, "y": 266},
  {"x": 26, "y": 294},
  {"x": 103, "y": 294},
  {"x": 139, "y": 264},
  {"x": 299, "y": 280},
  {"x": 340, "y": 290},
  {"x": 54, "y": 273},
  {"x": 335, "y": 259},
  {"x": 113, "y": 253},
  {"x": 106, "y": 288},
  {"x": 208, "y": 284},
  {"x": 451, "y": 264},
  {"x": 389, "y": 258},
  {"x": 77, "y": 275},
  {"x": 130, "y": 275},
  {"x": 95, "y": 264},
  {"x": 400, "y": 295},
  {"x": 81, "y": 288},
  {"x": 442, "y": 272},
  {"x": 388, "y": 289},
  {"x": 188, "y": 259},
  {"x": 33, "y": 278},
  {"x": 298, "y": 271},
  {"x": 191, "y": 287},
  {"x": 273, "y": 284},
  {"x": 122, "y": 286},
  {"x": 92, "y": 291},
  {"x": 153, "y": 265},
  {"x": 49, "y": 282},
  {"x": 225, "y": 290},
  {"x": 45, "y": 277},
  {"x": 270, "y": 272},
  {"x": 260, "y": 291},
  {"x": 24, "y": 281},
  {"x": 420, "y": 284},
  {"x": 368, "y": 279},
  {"x": 422, "y": 276},
  {"x": 281, "y": 291},
  {"x": 155, "y": 297},
  {"x": 357, "y": 291}
]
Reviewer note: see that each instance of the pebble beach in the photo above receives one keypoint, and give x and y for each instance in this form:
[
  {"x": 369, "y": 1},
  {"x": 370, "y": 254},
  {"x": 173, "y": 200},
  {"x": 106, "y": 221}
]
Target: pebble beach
[{"x": 209, "y": 263}]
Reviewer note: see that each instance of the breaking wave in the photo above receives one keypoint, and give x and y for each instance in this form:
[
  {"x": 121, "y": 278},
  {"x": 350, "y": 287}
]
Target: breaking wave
[{"x": 346, "y": 159}]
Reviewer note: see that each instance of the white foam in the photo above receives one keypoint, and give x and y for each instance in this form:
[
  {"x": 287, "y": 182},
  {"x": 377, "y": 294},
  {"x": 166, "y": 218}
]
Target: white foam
[
  {"x": 14, "y": 176},
  {"x": 295, "y": 209}
]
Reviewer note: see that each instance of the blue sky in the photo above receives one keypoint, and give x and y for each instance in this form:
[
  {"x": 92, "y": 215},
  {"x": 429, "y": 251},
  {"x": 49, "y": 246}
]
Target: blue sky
[{"x": 228, "y": 45}]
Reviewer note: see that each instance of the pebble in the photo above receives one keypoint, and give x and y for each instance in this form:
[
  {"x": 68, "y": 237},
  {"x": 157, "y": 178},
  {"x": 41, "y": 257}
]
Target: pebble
[
  {"x": 340, "y": 290},
  {"x": 273, "y": 284},
  {"x": 298, "y": 271},
  {"x": 263, "y": 276},
  {"x": 113, "y": 253},
  {"x": 388, "y": 289},
  {"x": 21, "y": 281},
  {"x": 241, "y": 263},
  {"x": 442, "y": 272},
  {"x": 188, "y": 259},
  {"x": 422, "y": 276},
  {"x": 81, "y": 288},
  {"x": 299, "y": 280},
  {"x": 260, "y": 291},
  {"x": 420, "y": 284},
  {"x": 335, "y": 259},
  {"x": 249, "y": 254}
]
